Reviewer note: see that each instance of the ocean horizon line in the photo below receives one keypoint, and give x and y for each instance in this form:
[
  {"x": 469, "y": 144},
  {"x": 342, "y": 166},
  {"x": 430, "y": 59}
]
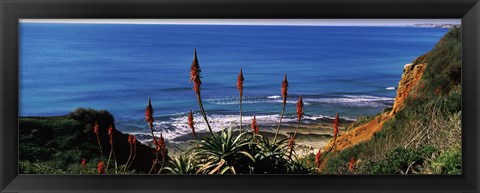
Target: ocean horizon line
[{"x": 256, "y": 22}]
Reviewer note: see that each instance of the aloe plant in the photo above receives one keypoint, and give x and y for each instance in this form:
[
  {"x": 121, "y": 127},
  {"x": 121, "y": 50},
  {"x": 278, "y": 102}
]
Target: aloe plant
[
  {"x": 183, "y": 164},
  {"x": 224, "y": 153}
]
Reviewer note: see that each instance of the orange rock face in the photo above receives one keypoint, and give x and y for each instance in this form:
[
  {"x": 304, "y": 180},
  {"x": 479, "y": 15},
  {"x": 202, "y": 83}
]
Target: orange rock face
[
  {"x": 411, "y": 76},
  {"x": 412, "y": 73}
]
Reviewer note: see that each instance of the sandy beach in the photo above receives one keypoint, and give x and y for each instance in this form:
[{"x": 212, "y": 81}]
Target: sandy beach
[{"x": 309, "y": 139}]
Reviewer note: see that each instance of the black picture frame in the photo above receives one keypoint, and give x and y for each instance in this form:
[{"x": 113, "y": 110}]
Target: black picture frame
[{"x": 13, "y": 10}]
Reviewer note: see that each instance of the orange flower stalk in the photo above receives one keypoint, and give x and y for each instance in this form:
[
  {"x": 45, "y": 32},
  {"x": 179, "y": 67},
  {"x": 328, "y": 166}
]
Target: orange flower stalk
[
  {"x": 284, "y": 95},
  {"x": 110, "y": 134},
  {"x": 254, "y": 126},
  {"x": 95, "y": 130},
  {"x": 284, "y": 88},
  {"x": 240, "y": 91},
  {"x": 101, "y": 167},
  {"x": 161, "y": 146},
  {"x": 336, "y": 121},
  {"x": 318, "y": 158},
  {"x": 195, "y": 77},
  {"x": 149, "y": 113},
  {"x": 299, "y": 112},
  {"x": 351, "y": 164},
  {"x": 84, "y": 163},
  {"x": 190, "y": 123},
  {"x": 132, "y": 141},
  {"x": 150, "y": 120},
  {"x": 291, "y": 145},
  {"x": 112, "y": 152}
]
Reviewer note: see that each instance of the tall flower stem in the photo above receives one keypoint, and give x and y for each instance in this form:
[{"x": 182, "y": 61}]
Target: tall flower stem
[
  {"x": 240, "y": 91},
  {"x": 320, "y": 157},
  {"x": 134, "y": 143},
  {"x": 195, "y": 77},
  {"x": 156, "y": 145},
  {"x": 284, "y": 95},
  {"x": 100, "y": 147},
  {"x": 292, "y": 140},
  {"x": 112, "y": 151},
  {"x": 149, "y": 118},
  {"x": 131, "y": 152},
  {"x": 279, "y": 123},
  {"x": 204, "y": 115},
  {"x": 255, "y": 128},
  {"x": 191, "y": 124},
  {"x": 241, "y": 130},
  {"x": 95, "y": 130},
  {"x": 300, "y": 113}
]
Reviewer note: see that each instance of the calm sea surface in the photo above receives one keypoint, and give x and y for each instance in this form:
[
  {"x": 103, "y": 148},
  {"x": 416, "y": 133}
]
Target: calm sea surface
[{"x": 349, "y": 70}]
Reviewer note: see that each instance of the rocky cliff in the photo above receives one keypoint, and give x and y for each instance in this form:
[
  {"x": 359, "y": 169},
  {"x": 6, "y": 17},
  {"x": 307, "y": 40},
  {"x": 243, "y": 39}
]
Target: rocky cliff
[
  {"x": 65, "y": 140},
  {"x": 412, "y": 73}
]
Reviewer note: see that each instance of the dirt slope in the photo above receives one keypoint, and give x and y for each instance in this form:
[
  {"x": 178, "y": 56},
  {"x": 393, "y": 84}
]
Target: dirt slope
[{"x": 412, "y": 73}]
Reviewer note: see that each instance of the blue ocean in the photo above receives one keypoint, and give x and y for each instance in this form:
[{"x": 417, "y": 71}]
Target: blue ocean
[{"x": 352, "y": 71}]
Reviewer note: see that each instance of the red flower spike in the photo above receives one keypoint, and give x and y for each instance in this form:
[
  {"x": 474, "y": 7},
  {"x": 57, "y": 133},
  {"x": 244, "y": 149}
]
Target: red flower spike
[
  {"x": 300, "y": 108},
  {"x": 84, "y": 163},
  {"x": 149, "y": 113},
  {"x": 336, "y": 121},
  {"x": 95, "y": 128},
  {"x": 134, "y": 140},
  {"x": 161, "y": 143},
  {"x": 285, "y": 88},
  {"x": 130, "y": 139},
  {"x": 318, "y": 157},
  {"x": 351, "y": 164},
  {"x": 110, "y": 130},
  {"x": 195, "y": 74},
  {"x": 190, "y": 123},
  {"x": 101, "y": 167},
  {"x": 240, "y": 80},
  {"x": 254, "y": 126}
]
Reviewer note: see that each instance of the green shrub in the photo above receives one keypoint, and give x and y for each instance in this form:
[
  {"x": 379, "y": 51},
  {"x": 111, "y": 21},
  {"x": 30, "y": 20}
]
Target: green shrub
[
  {"x": 398, "y": 161},
  {"x": 27, "y": 167},
  {"x": 338, "y": 162},
  {"x": 448, "y": 162}
]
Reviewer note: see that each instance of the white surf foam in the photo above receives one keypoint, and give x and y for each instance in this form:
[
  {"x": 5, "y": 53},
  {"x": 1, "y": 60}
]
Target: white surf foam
[{"x": 390, "y": 88}]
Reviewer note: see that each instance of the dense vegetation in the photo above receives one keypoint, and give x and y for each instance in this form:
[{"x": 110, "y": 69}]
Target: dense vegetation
[
  {"x": 59, "y": 145},
  {"x": 424, "y": 137}
]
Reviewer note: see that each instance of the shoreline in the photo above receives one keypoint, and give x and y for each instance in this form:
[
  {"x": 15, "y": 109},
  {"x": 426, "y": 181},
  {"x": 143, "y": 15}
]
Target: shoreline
[
  {"x": 311, "y": 136},
  {"x": 309, "y": 139}
]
